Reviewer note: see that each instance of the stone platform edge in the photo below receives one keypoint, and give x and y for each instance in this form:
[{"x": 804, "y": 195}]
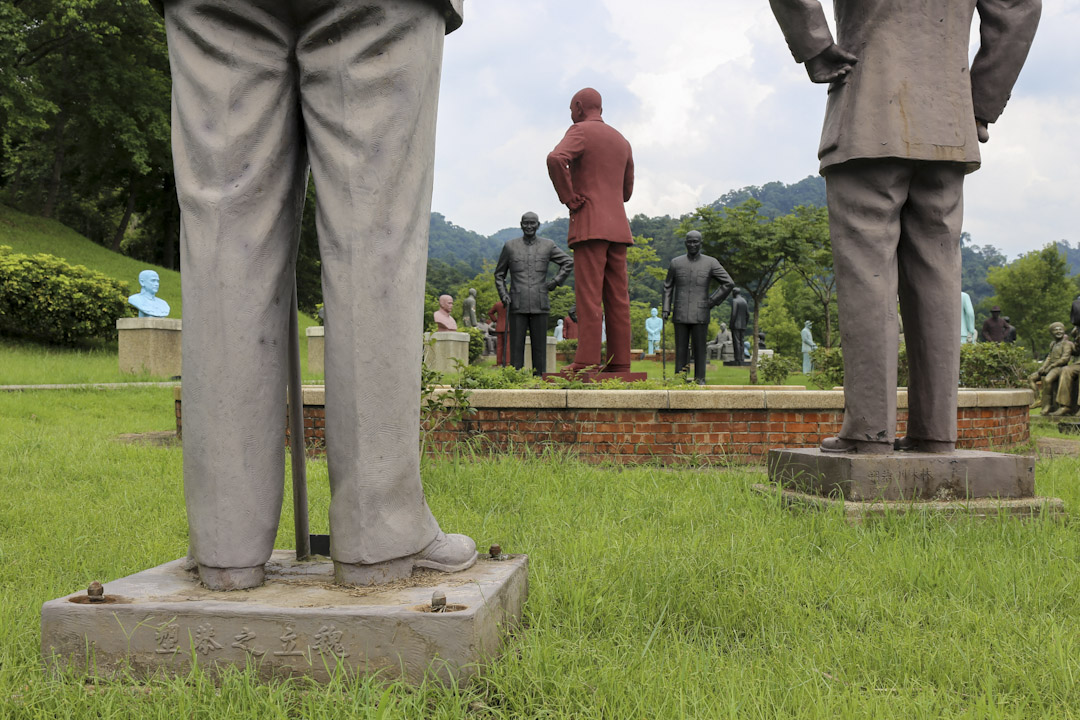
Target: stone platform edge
[{"x": 733, "y": 397}]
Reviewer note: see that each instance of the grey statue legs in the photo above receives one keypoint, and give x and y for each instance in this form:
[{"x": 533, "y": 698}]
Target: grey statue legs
[
  {"x": 535, "y": 324},
  {"x": 895, "y": 228},
  {"x": 258, "y": 89}
]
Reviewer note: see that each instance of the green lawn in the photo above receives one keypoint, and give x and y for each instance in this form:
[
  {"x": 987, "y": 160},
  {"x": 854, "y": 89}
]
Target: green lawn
[{"x": 653, "y": 593}]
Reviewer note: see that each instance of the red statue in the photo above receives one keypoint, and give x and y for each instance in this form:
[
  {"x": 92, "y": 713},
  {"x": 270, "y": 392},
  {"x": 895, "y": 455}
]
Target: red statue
[{"x": 592, "y": 169}]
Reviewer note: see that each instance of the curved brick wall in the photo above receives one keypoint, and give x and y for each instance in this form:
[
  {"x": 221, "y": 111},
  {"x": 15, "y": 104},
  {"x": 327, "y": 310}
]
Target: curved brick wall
[{"x": 715, "y": 425}]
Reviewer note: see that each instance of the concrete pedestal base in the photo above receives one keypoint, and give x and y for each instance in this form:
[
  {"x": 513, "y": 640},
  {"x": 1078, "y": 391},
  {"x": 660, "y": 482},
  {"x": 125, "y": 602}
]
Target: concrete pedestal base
[
  {"x": 855, "y": 512},
  {"x": 316, "y": 349},
  {"x": 150, "y": 345},
  {"x": 298, "y": 623},
  {"x": 550, "y": 360},
  {"x": 958, "y": 475},
  {"x": 442, "y": 348},
  {"x": 971, "y": 481}
]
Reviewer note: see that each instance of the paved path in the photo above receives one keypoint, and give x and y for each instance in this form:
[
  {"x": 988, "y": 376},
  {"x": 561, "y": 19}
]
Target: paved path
[{"x": 90, "y": 386}]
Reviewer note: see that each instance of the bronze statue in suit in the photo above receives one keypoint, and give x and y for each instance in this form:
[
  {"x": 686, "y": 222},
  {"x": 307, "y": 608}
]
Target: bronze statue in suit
[
  {"x": 686, "y": 294},
  {"x": 526, "y": 260},
  {"x": 263, "y": 91},
  {"x": 902, "y": 126}
]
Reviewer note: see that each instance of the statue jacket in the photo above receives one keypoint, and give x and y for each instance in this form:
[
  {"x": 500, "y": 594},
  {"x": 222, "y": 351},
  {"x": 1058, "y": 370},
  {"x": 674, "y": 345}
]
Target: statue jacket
[
  {"x": 1060, "y": 350},
  {"x": 687, "y": 288},
  {"x": 452, "y": 9},
  {"x": 595, "y": 161},
  {"x": 527, "y": 264},
  {"x": 740, "y": 313},
  {"x": 912, "y": 95},
  {"x": 808, "y": 343}
]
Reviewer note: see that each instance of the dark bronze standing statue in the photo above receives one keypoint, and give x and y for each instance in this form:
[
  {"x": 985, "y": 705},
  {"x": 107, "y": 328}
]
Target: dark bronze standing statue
[
  {"x": 686, "y": 293},
  {"x": 592, "y": 169},
  {"x": 526, "y": 259},
  {"x": 263, "y": 91},
  {"x": 902, "y": 126},
  {"x": 740, "y": 319}
]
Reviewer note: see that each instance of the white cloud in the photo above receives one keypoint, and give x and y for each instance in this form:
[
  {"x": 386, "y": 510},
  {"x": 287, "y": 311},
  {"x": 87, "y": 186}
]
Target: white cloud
[{"x": 708, "y": 95}]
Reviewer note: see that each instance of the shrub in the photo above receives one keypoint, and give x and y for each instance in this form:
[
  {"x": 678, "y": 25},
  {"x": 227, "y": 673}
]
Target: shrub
[
  {"x": 828, "y": 367},
  {"x": 566, "y": 346},
  {"x": 45, "y": 298},
  {"x": 776, "y": 368},
  {"x": 982, "y": 365},
  {"x": 476, "y": 343},
  {"x": 993, "y": 365}
]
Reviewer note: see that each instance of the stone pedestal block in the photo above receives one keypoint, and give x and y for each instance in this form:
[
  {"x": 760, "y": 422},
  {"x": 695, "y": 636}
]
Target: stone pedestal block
[
  {"x": 316, "y": 348},
  {"x": 959, "y": 475},
  {"x": 442, "y": 348},
  {"x": 150, "y": 345},
  {"x": 298, "y": 623},
  {"x": 550, "y": 360}
]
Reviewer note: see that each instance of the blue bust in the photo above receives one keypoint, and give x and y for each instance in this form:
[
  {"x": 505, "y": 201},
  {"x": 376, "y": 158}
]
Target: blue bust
[{"x": 146, "y": 302}]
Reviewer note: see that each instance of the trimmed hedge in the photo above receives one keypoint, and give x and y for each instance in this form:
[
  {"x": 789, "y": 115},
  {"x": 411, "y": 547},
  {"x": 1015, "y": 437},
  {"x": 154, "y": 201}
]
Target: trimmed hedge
[
  {"x": 45, "y": 298},
  {"x": 982, "y": 365}
]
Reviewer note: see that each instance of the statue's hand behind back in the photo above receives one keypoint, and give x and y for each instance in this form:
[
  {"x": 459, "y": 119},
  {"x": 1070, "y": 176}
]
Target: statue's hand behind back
[{"x": 831, "y": 64}]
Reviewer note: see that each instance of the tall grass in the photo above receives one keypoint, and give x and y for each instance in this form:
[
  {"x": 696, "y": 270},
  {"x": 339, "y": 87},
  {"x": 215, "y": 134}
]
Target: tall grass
[{"x": 653, "y": 593}]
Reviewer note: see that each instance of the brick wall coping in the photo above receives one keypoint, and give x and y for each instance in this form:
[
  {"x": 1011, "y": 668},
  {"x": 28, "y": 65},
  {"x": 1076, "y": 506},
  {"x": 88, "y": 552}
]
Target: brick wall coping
[{"x": 737, "y": 398}]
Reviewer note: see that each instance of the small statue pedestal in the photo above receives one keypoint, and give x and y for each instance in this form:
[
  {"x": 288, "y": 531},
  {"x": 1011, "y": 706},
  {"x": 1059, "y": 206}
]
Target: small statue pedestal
[
  {"x": 976, "y": 482},
  {"x": 297, "y": 623},
  {"x": 551, "y": 361},
  {"x": 316, "y": 348},
  {"x": 443, "y": 347},
  {"x": 149, "y": 345}
]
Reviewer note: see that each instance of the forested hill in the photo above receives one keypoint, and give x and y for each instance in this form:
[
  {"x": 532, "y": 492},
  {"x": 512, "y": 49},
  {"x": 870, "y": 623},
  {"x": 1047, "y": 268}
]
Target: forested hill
[
  {"x": 776, "y": 198},
  {"x": 454, "y": 245}
]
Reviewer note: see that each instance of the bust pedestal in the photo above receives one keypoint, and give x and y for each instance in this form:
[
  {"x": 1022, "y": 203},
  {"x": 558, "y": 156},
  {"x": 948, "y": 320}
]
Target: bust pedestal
[
  {"x": 443, "y": 347},
  {"x": 149, "y": 345},
  {"x": 550, "y": 361},
  {"x": 316, "y": 348}
]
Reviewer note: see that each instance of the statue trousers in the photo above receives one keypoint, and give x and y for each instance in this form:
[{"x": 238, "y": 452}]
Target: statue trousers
[
  {"x": 895, "y": 228},
  {"x": 600, "y": 275},
  {"x": 263, "y": 89}
]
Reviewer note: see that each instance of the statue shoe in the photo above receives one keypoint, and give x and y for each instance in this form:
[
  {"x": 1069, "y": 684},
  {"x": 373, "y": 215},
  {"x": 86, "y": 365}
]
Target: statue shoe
[
  {"x": 1045, "y": 410},
  {"x": 910, "y": 444},
  {"x": 863, "y": 447},
  {"x": 446, "y": 553},
  {"x": 1063, "y": 410},
  {"x": 617, "y": 368},
  {"x": 232, "y": 578}
]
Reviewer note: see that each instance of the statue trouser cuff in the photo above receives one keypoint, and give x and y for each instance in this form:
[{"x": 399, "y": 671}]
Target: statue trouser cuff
[{"x": 446, "y": 553}]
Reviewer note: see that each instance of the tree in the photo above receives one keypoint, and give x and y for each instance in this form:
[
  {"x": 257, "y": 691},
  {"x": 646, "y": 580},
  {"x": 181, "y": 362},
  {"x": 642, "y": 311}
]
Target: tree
[
  {"x": 643, "y": 271},
  {"x": 809, "y": 228},
  {"x": 753, "y": 248},
  {"x": 781, "y": 330},
  {"x": 1034, "y": 290}
]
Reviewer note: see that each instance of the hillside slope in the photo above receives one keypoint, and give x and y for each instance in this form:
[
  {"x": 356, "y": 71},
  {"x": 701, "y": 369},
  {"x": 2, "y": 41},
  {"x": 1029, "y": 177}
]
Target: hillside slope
[{"x": 29, "y": 234}]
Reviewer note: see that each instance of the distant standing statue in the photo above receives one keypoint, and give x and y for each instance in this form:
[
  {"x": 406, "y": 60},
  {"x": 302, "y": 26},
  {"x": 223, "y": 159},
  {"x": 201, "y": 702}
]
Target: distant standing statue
[
  {"x": 654, "y": 328},
  {"x": 808, "y": 346},
  {"x": 1010, "y": 331},
  {"x": 993, "y": 329},
  {"x": 558, "y": 330},
  {"x": 686, "y": 294},
  {"x": 902, "y": 128},
  {"x": 526, "y": 259},
  {"x": 468, "y": 309},
  {"x": 967, "y": 319},
  {"x": 443, "y": 321},
  {"x": 1047, "y": 374},
  {"x": 740, "y": 318},
  {"x": 592, "y": 169},
  {"x": 145, "y": 300},
  {"x": 570, "y": 328},
  {"x": 497, "y": 316}
]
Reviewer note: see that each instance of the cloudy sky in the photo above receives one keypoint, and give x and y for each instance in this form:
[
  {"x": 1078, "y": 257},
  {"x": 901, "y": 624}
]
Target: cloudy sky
[{"x": 711, "y": 100}]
